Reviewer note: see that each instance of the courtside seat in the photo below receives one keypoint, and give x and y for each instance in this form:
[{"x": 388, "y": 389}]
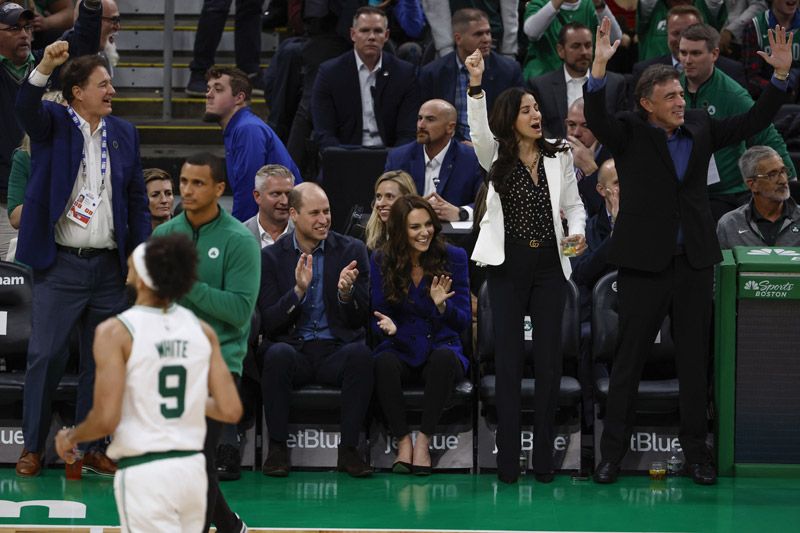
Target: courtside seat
[
  {"x": 570, "y": 389},
  {"x": 16, "y": 301},
  {"x": 658, "y": 389}
]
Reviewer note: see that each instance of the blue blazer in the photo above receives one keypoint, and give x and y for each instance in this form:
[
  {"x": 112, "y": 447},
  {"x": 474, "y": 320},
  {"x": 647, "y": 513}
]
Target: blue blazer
[
  {"x": 460, "y": 176},
  {"x": 56, "y": 149},
  {"x": 420, "y": 327},
  {"x": 438, "y": 78},
  {"x": 279, "y": 305},
  {"x": 336, "y": 102}
]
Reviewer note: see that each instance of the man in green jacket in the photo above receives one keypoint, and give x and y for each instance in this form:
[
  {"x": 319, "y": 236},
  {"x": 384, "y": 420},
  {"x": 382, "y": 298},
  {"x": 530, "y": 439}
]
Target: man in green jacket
[
  {"x": 225, "y": 294},
  {"x": 708, "y": 87}
]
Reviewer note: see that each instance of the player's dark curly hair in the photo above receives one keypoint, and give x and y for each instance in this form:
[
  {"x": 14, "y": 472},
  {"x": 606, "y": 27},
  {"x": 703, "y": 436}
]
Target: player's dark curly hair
[
  {"x": 171, "y": 261},
  {"x": 395, "y": 254}
]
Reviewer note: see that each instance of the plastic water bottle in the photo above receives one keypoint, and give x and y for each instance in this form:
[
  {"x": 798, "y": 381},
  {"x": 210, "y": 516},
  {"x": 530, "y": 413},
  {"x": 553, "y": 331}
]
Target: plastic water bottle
[{"x": 674, "y": 465}]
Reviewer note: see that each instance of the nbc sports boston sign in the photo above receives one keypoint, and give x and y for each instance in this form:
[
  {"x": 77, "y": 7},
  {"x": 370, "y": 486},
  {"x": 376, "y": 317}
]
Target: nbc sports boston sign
[{"x": 769, "y": 273}]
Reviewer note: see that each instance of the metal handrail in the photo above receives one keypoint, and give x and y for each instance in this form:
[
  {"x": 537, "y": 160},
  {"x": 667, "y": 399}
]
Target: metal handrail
[{"x": 169, "y": 28}]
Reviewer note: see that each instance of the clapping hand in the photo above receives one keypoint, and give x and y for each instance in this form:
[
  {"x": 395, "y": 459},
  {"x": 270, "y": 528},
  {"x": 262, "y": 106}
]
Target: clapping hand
[
  {"x": 303, "y": 273},
  {"x": 385, "y": 323},
  {"x": 440, "y": 291},
  {"x": 780, "y": 43},
  {"x": 347, "y": 279}
]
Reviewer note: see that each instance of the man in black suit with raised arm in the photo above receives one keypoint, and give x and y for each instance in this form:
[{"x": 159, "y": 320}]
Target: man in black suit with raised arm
[{"x": 664, "y": 238}]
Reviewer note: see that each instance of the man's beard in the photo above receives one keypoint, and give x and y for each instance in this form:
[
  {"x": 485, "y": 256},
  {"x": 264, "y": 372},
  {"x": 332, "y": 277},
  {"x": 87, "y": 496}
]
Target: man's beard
[
  {"x": 212, "y": 117},
  {"x": 111, "y": 53}
]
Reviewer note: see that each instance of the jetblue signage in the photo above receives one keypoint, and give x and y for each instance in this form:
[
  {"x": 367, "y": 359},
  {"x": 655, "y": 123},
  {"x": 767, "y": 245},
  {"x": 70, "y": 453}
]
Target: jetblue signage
[
  {"x": 647, "y": 444},
  {"x": 311, "y": 445},
  {"x": 566, "y": 444},
  {"x": 450, "y": 446}
]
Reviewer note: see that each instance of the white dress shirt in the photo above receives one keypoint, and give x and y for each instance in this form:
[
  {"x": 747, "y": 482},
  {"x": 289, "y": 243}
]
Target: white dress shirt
[
  {"x": 266, "y": 239},
  {"x": 432, "y": 169},
  {"x": 100, "y": 231},
  {"x": 574, "y": 86},
  {"x": 370, "y": 136}
]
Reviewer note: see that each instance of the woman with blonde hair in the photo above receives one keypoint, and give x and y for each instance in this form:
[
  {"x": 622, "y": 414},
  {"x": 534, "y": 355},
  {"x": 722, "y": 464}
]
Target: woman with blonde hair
[{"x": 389, "y": 187}]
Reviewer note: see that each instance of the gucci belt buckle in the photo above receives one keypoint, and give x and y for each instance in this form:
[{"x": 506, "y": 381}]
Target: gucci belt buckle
[{"x": 534, "y": 243}]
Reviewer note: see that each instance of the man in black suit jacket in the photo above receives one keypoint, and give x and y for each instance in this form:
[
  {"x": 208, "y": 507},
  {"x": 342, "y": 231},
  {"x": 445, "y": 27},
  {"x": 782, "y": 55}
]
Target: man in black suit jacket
[
  {"x": 447, "y": 78},
  {"x": 365, "y": 97},
  {"x": 678, "y": 19},
  {"x": 556, "y": 91},
  {"x": 664, "y": 238},
  {"x": 314, "y": 303}
]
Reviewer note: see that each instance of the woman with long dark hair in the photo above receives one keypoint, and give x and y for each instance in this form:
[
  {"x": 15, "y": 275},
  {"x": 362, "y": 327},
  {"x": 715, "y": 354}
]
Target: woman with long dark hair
[
  {"x": 531, "y": 182},
  {"x": 421, "y": 303}
]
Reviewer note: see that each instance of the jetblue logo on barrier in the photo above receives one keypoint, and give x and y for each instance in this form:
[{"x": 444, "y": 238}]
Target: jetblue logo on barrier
[
  {"x": 438, "y": 442},
  {"x": 12, "y": 280},
  {"x": 313, "y": 438},
  {"x": 526, "y": 442},
  {"x": 653, "y": 442}
]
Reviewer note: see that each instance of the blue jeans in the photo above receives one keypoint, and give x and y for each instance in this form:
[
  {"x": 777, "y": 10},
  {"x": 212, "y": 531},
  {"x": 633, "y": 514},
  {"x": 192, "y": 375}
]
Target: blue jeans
[
  {"x": 246, "y": 38},
  {"x": 74, "y": 290}
]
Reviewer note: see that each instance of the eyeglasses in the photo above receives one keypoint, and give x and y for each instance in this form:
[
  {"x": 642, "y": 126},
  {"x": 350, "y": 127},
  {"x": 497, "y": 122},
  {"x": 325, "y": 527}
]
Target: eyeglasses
[
  {"x": 773, "y": 175},
  {"x": 27, "y": 28},
  {"x": 115, "y": 21}
]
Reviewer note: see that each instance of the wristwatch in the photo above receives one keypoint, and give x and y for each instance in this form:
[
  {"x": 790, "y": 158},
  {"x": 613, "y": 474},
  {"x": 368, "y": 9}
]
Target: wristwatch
[{"x": 463, "y": 214}]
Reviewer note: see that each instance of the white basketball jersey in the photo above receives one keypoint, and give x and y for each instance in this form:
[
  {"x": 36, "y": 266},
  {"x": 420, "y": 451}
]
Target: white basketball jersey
[{"x": 166, "y": 383}]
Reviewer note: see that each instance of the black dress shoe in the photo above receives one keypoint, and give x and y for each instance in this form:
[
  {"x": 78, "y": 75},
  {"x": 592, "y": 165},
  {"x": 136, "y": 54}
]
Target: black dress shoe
[
  {"x": 351, "y": 462},
  {"x": 544, "y": 477},
  {"x": 402, "y": 467},
  {"x": 606, "y": 472},
  {"x": 277, "y": 461},
  {"x": 229, "y": 463},
  {"x": 703, "y": 473}
]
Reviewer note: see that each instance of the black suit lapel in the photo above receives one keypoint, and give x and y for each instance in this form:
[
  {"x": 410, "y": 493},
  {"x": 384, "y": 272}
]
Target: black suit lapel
[{"x": 560, "y": 95}]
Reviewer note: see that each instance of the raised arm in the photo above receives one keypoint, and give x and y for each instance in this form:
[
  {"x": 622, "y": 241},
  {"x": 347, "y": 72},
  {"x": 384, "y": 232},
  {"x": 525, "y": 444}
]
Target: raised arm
[
  {"x": 29, "y": 110},
  {"x": 482, "y": 138}
]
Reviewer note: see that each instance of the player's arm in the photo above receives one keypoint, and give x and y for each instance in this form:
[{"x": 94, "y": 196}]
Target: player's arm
[
  {"x": 112, "y": 344},
  {"x": 223, "y": 403}
]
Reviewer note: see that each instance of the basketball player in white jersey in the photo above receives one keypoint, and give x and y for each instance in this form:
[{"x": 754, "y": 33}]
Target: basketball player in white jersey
[{"x": 159, "y": 374}]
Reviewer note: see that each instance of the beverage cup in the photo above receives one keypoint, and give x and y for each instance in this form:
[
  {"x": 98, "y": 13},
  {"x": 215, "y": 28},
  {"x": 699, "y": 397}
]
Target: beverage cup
[
  {"x": 568, "y": 247},
  {"x": 658, "y": 470}
]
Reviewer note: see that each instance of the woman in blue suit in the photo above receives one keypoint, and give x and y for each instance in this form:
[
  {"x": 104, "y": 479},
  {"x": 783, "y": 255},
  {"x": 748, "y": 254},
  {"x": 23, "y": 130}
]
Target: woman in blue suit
[{"x": 421, "y": 302}]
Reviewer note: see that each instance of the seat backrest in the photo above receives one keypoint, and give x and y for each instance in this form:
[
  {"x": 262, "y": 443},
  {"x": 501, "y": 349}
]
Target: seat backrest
[
  {"x": 605, "y": 325},
  {"x": 570, "y": 326},
  {"x": 16, "y": 297},
  {"x": 348, "y": 177}
]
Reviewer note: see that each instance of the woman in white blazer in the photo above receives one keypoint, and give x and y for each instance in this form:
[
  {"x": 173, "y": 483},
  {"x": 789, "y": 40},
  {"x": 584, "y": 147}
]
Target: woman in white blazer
[{"x": 531, "y": 183}]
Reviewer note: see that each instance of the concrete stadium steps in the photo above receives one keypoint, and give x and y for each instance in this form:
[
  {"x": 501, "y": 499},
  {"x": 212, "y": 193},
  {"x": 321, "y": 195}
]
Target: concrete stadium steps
[{"x": 138, "y": 104}]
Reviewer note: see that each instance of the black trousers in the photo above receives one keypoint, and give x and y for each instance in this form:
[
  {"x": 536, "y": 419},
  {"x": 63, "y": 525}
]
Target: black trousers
[
  {"x": 438, "y": 374},
  {"x": 530, "y": 281},
  {"x": 349, "y": 366},
  {"x": 217, "y": 510},
  {"x": 645, "y": 298},
  {"x": 246, "y": 37}
]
